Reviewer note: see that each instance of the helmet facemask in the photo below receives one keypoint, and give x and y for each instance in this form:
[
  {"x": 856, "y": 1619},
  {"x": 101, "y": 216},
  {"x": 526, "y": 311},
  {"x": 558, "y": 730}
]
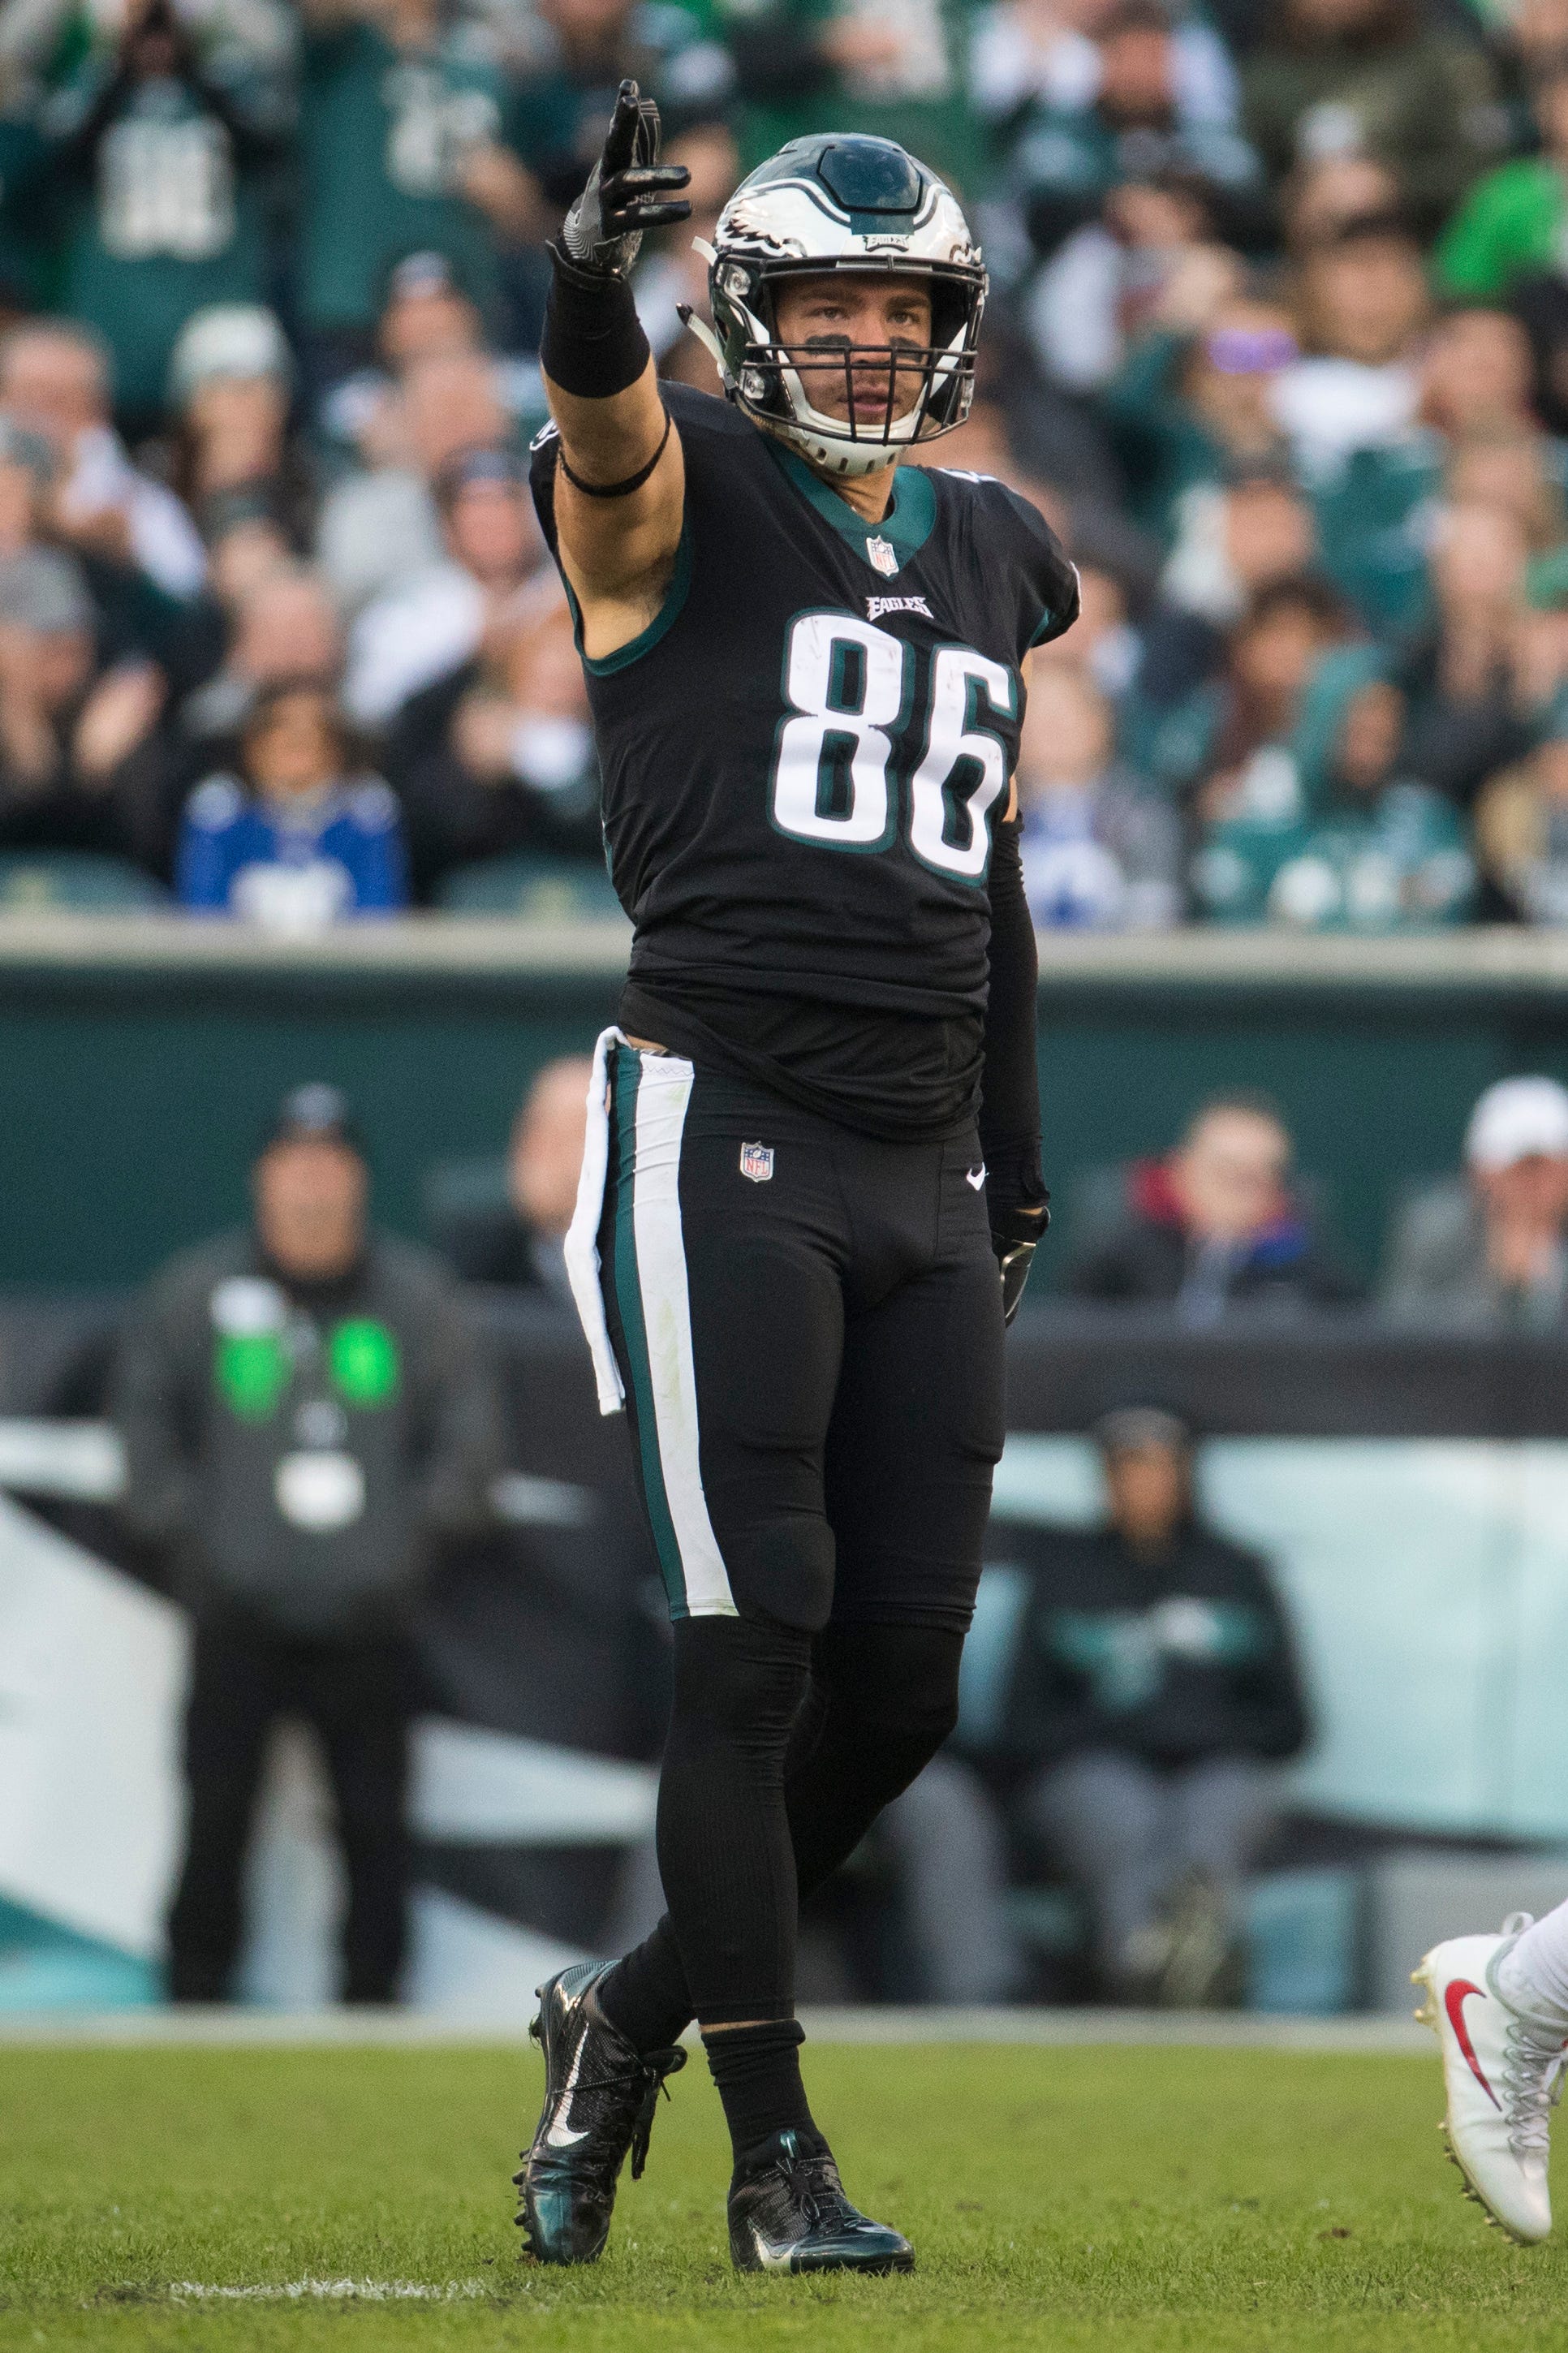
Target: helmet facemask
[{"x": 920, "y": 391}]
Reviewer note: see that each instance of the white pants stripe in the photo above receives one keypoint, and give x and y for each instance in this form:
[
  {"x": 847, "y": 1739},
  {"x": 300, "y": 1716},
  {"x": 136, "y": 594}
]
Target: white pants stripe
[{"x": 664, "y": 1092}]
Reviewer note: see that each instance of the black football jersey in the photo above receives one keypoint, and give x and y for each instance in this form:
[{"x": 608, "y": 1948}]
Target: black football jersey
[{"x": 804, "y": 758}]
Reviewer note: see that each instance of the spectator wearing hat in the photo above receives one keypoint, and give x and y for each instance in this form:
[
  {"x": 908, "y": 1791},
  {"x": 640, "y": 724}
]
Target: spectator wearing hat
[
  {"x": 432, "y": 623},
  {"x": 1216, "y": 1225},
  {"x": 154, "y": 173},
  {"x": 1489, "y": 1251},
  {"x": 426, "y": 314},
  {"x": 309, "y": 1425},
  {"x": 230, "y": 393},
  {"x": 299, "y": 837},
  {"x": 1149, "y": 1696}
]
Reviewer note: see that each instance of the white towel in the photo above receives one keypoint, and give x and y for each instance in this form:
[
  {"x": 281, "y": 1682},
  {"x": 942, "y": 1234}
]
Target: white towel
[{"x": 582, "y": 1246}]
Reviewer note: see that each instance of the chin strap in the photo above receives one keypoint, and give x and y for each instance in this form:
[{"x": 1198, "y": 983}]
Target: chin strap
[{"x": 699, "y": 327}]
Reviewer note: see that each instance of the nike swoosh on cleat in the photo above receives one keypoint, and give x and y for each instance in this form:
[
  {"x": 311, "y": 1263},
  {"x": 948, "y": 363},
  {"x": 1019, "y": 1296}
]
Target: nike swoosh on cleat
[
  {"x": 558, "y": 2134},
  {"x": 1454, "y": 2002}
]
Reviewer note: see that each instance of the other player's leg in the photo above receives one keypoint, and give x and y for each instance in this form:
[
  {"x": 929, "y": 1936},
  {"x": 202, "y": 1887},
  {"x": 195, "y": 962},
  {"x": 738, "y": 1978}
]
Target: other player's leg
[{"x": 1498, "y": 2007}]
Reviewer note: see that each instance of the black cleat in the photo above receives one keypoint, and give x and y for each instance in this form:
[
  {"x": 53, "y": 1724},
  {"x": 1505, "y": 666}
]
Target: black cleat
[
  {"x": 599, "y": 2099},
  {"x": 788, "y": 2213}
]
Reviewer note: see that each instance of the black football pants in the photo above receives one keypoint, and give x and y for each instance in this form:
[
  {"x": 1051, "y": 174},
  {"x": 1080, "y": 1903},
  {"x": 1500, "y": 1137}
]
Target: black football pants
[
  {"x": 357, "y": 1695},
  {"x": 808, "y": 1325}
]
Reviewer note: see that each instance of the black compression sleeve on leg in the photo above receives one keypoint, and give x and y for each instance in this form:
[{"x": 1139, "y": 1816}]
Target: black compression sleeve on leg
[
  {"x": 1010, "y": 1089},
  {"x": 594, "y": 345},
  {"x": 885, "y": 1698},
  {"x": 724, "y": 1851},
  {"x": 882, "y": 1699}
]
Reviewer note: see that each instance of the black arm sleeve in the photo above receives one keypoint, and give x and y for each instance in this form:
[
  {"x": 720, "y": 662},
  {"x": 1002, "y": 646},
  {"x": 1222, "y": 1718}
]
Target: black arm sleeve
[{"x": 1010, "y": 1088}]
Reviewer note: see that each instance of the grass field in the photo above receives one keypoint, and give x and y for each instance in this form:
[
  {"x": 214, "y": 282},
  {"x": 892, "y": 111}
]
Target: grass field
[{"x": 1122, "y": 2199}]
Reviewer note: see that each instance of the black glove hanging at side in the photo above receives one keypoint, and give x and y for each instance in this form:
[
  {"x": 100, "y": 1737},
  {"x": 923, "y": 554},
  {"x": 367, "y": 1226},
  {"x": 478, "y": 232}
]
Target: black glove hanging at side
[
  {"x": 1015, "y": 1237},
  {"x": 628, "y": 191}
]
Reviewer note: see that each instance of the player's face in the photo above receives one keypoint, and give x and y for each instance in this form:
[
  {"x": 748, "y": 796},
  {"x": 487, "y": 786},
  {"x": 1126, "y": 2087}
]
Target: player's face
[{"x": 872, "y": 316}]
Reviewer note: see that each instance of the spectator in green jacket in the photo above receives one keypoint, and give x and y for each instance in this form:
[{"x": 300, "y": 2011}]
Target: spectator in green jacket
[
  {"x": 1228, "y": 747},
  {"x": 1473, "y": 435},
  {"x": 1373, "y": 77},
  {"x": 1382, "y": 851},
  {"x": 155, "y": 176},
  {"x": 894, "y": 72},
  {"x": 1512, "y": 226},
  {"x": 1187, "y": 405},
  {"x": 401, "y": 152}
]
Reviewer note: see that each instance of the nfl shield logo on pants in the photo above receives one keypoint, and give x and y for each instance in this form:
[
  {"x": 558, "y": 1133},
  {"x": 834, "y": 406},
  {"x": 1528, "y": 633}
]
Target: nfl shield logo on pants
[{"x": 757, "y": 1161}]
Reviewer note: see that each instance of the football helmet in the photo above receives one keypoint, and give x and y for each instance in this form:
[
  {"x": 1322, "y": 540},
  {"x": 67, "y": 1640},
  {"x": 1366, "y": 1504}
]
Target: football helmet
[{"x": 851, "y": 203}]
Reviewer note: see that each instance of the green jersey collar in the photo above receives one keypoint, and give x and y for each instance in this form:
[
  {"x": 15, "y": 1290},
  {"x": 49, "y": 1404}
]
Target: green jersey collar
[{"x": 905, "y": 528}]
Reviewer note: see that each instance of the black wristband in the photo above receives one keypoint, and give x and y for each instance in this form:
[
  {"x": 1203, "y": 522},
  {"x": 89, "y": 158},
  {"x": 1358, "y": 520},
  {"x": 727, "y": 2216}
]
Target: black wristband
[
  {"x": 594, "y": 345},
  {"x": 622, "y": 490}
]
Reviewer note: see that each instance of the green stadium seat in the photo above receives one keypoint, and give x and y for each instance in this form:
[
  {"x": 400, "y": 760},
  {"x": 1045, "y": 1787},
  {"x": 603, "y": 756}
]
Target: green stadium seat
[
  {"x": 76, "y": 879},
  {"x": 537, "y": 889}
]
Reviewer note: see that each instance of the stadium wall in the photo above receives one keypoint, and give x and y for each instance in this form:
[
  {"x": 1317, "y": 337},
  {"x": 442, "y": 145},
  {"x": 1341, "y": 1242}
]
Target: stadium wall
[{"x": 141, "y": 1056}]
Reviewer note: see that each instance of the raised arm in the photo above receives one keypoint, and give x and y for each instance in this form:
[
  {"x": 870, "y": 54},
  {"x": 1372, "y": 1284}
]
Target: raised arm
[{"x": 620, "y": 481}]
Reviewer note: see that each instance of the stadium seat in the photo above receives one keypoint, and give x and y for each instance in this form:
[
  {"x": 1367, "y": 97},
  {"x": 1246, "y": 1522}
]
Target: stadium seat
[
  {"x": 75, "y": 878},
  {"x": 539, "y": 890}
]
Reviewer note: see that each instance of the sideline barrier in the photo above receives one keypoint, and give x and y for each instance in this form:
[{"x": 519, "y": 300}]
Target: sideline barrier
[{"x": 151, "y": 1050}]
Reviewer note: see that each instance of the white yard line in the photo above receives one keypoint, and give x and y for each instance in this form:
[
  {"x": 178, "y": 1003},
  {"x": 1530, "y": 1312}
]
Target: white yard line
[
  {"x": 242, "y": 2029},
  {"x": 366, "y": 2290}
]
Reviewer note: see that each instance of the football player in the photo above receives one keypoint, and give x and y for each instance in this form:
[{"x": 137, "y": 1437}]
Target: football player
[
  {"x": 1498, "y": 2007},
  {"x": 812, "y": 1182}
]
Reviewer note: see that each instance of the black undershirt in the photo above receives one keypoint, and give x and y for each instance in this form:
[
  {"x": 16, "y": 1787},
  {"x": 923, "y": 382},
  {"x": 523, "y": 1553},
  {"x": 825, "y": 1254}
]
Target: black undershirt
[{"x": 901, "y": 1077}]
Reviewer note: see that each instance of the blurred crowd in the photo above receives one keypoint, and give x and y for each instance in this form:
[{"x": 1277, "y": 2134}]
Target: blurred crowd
[{"x": 1278, "y": 340}]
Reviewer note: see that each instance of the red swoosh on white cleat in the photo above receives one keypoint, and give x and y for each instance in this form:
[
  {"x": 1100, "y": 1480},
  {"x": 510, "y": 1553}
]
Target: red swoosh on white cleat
[{"x": 1454, "y": 2002}]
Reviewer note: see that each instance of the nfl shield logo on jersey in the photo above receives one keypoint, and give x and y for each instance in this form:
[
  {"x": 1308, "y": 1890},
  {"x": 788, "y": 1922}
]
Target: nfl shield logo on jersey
[
  {"x": 882, "y": 556},
  {"x": 757, "y": 1161}
]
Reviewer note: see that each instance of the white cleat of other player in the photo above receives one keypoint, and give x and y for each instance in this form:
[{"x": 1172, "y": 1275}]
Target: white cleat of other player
[{"x": 1501, "y": 2072}]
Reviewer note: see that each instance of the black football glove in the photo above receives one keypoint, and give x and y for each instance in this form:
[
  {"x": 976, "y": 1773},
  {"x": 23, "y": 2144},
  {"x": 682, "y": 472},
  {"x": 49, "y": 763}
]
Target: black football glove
[
  {"x": 1015, "y": 1237},
  {"x": 628, "y": 191}
]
